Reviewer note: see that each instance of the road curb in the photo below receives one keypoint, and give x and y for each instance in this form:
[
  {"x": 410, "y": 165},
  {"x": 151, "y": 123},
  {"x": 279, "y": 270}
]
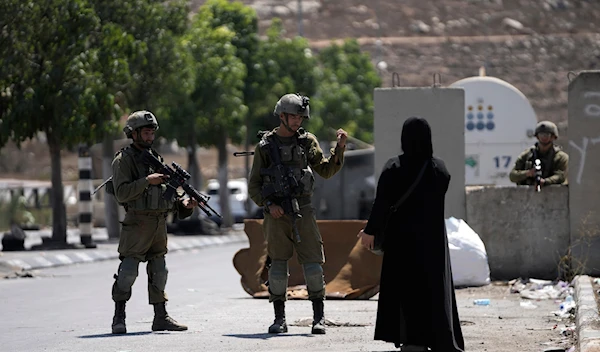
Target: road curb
[
  {"x": 49, "y": 259},
  {"x": 587, "y": 321}
]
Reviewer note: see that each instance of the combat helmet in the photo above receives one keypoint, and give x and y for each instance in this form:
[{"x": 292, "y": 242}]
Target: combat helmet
[
  {"x": 546, "y": 126},
  {"x": 293, "y": 104},
  {"x": 139, "y": 119}
]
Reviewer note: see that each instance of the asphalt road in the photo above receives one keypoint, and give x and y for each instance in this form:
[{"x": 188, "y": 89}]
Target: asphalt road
[{"x": 69, "y": 309}]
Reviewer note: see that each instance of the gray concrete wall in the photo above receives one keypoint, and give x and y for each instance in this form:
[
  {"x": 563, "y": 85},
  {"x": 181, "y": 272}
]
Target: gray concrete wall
[
  {"x": 525, "y": 232},
  {"x": 584, "y": 168},
  {"x": 444, "y": 109}
]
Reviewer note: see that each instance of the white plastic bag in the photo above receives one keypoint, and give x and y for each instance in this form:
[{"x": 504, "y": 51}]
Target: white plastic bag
[{"x": 467, "y": 254}]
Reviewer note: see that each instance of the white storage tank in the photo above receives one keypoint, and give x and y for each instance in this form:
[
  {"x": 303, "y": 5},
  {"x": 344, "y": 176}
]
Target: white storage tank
[{"x": 499, "y": 125}]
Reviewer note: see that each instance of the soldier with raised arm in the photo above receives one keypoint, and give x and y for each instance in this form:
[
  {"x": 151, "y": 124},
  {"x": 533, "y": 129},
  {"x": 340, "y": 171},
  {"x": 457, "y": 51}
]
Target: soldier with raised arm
[{"x": 282, "y": 181}]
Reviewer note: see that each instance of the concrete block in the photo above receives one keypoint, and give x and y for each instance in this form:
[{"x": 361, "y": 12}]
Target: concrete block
[
  {"x": 584, "y": 167},
  {"x": 444, "y": 109},
  {"x": 525, "y": 232}
]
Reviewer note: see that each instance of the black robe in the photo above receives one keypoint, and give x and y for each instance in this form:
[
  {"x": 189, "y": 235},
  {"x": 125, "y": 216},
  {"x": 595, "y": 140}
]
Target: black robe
[{"x": 417, "y": 305}]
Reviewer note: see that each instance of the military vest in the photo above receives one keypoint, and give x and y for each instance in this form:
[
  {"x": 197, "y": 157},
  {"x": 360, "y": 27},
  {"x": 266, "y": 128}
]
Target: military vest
[
  {"x": 293, "y": 155},
  {"x": 547, "y": 161},
  {"x": 152, "y": 198}
]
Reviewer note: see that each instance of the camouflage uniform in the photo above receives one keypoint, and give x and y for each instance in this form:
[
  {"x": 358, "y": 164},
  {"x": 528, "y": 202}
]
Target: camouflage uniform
[
  {"x": 554, "y": 161},
  {"x": 144, "y": 231},
  {"x": 302, "y": 154}
]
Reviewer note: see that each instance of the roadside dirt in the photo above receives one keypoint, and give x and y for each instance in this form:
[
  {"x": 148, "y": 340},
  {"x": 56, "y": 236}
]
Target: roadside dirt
[{"x": 506, "y": 325}]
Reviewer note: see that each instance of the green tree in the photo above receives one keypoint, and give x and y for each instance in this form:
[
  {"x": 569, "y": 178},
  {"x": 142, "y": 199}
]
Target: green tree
[
  {"x": 345, "y": 95},
  {"x": 213, "y": 110},
  {"x": 289, "y": 65},
  {"x": 118, "y": 46},
  {"x": 283, "y": 66},
  {"x": 155, "y": 27},
  {"x": 140, "y": 36},
  {"x": 242, "y": 20},
  {"x": 49, "y": 56},
  {"x": 179, "y": 112}
]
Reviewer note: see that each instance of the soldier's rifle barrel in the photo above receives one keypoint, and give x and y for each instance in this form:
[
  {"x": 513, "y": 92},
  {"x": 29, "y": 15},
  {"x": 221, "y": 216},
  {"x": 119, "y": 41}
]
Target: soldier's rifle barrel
[
  {"x": 538, "y": 175},
  {"x": 243, "y": 153},
  {"x": 101, "y": 185}
]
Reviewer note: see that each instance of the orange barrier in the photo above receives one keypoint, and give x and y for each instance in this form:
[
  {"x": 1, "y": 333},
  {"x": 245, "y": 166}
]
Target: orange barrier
[{"x": 350, "y": 270}]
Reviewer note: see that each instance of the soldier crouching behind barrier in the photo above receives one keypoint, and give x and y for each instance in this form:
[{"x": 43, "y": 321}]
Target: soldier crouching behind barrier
[
  {"x": 543, "y": 164},
  {"x": 281, "y": 180},
  {"x": 140, "y": 189}
]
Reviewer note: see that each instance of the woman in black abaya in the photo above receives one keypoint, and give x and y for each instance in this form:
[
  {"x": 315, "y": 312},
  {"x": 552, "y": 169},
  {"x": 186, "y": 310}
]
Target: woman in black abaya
[{"x": 417, "y": 305}]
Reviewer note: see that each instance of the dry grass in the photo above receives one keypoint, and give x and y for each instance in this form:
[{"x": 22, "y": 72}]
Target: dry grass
[{"x": 575, "y": 261}]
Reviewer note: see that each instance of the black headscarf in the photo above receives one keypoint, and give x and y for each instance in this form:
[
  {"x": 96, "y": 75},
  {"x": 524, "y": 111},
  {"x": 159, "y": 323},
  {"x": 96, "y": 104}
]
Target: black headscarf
[{"x": 416, "y": 138}]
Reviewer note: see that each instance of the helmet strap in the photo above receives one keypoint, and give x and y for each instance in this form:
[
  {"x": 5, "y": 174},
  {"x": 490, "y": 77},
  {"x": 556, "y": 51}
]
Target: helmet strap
[{"x": 286, "y": 123}]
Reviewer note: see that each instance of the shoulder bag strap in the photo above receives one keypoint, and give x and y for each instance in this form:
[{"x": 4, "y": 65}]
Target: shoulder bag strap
[{"x": 410, "y": 189}]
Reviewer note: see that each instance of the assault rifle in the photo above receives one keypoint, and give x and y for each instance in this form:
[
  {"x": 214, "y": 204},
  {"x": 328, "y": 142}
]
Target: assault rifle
[
  {"x": 177, "y": 178},
  {"x": 537, "y": 164},
  {"x": 283, "y": 187},
  {"x": 284, "y": 183}
]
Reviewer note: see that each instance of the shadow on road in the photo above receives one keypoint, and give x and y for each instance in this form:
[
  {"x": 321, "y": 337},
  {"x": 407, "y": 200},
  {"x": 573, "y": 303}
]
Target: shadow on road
[
  {"x": 264, "y": 336},
  {"x": 139, "y": 333}
]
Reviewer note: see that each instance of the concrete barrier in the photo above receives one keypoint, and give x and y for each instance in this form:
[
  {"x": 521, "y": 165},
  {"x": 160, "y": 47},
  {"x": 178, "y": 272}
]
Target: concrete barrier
[
  {"x": 584, "y": 165},
  {"x": 526, "y": 233}
]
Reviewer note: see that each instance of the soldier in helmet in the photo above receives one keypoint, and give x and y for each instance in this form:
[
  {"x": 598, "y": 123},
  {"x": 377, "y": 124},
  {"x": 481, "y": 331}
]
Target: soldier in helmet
[
  {"x": 554, "y": 161},
  {"x": 300, "y": 151},
  {"x": 144, "y": 232}
]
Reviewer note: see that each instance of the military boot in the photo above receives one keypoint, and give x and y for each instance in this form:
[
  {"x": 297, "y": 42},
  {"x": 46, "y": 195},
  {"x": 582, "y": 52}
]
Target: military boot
[
  {"x": 162, "y": 320},
  {"x": 118, "y": 324},
  {"x": 279, "y": 325},
  {"x": 318, "y": 326}
]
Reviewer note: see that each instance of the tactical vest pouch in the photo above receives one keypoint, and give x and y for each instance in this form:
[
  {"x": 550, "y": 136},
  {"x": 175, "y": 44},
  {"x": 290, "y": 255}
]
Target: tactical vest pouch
[
  {"x": 268, "y": 190},
  {"x": 154, "y": 195},
  {"x": 298, "y": 154},
  {"x": 307, "y": 180},
  {"x": 286, "y": 153}
]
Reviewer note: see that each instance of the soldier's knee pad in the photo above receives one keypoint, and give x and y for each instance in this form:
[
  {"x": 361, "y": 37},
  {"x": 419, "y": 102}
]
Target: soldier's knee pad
[
  {"x": 158, "y": 272},
  {"x": 313, "y": 274},
  {"x": 128, "y": 272},
  {"x": 279, "y": 269},
  {"x": 278, "y": 277}
]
